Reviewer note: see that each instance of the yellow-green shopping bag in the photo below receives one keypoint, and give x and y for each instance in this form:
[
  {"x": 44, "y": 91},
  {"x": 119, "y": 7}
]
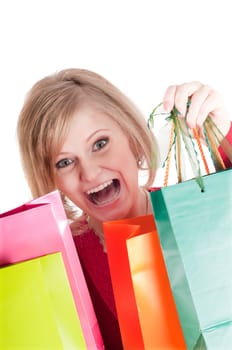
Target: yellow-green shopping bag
[{"x": 37, "y": 310}]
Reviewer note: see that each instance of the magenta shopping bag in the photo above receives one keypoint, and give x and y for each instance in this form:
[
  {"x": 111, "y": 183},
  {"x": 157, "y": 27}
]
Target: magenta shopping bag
[{"x": 38, "y": 228}]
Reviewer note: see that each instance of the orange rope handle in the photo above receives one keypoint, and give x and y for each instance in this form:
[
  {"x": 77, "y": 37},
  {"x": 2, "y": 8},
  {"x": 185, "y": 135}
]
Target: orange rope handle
[
  {"x": 168, "y": 161},
  {"x": 215, "y": 149},
  {"x": 197, "y": 137},
  {"x": 178, "y": 158}
]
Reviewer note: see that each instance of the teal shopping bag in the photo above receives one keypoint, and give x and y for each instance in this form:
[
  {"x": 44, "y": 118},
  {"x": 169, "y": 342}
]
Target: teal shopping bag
[
  {"x": 37, "y": 310},
  {"x": 195, "y": 231}
]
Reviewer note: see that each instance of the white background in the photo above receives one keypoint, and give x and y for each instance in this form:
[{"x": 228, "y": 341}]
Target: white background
[{"x": 142, "y": 46}]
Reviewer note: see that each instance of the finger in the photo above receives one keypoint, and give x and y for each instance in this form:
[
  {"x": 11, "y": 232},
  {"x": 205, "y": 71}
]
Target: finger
[
  {"x": 169, "y": 98},
  {"x": 212, "y": 104},
  {"x": 183, "y": 92},
  {"x": 199, "y": 106},
  {"x": 215, "y": 108}
]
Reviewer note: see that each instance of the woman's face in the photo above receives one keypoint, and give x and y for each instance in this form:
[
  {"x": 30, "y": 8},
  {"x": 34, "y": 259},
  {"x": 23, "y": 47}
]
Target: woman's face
[{"x": 96, "y": 168}]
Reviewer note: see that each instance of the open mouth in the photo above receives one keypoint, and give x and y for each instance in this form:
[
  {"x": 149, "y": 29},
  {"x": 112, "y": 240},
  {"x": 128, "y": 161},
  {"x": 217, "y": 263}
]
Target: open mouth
[{"x": 104, "y": 193}]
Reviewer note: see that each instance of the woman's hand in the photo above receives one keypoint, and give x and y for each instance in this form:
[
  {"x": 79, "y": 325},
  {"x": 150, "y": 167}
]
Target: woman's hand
[{"x": 204, "y": 101}]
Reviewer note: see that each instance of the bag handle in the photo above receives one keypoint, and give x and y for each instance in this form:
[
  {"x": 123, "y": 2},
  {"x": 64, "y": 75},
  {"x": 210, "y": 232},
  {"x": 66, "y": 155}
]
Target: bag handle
[
  {"x": 168, "y": 160},
  {"x": 179, "y": 134},
  {"x": 177, "y": 143},
  {"x": 213, "y": 144},
  {"x": 197, "y": 137}
]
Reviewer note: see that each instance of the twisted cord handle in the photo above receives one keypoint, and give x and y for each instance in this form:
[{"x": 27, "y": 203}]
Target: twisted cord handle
[
  {"x": 197, "y": 137},
  {"x": 168, "y": 160}
]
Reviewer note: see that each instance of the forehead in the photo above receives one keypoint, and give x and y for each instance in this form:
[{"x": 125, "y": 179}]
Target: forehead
[
  {"x": 88, "y": 117},
  {"x": 86, "y": 127}
]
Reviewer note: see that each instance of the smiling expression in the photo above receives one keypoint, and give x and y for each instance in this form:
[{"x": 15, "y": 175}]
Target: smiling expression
[{"x": 96, "y": 168}]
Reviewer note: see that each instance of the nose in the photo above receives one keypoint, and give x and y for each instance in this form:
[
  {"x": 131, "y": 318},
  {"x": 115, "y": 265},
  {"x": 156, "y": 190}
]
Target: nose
[{"x": 89, "y": 170}]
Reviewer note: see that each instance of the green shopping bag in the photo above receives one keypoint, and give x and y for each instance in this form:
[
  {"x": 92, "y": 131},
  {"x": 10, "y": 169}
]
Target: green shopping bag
[
  {"x": 195, "y": 231},
  {"x": 37, "y": 310},
  {"x": 194, "y": 224}
]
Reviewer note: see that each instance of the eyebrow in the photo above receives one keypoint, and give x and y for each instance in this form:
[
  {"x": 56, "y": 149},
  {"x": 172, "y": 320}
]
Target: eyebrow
[
  {"x": 95, "y": 132},
  {"x": 88, "y": 138}
]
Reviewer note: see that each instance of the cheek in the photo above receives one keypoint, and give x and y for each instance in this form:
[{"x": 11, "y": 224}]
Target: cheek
[
  {"x": 128, "y": 166},
  {"x": 128, "y": 157},
  {"x": 68, "y": 185},
  {"x": 65, "y": 183},
  {"x": 123, "y": 162},
  {"x": 123, "y": 153}
]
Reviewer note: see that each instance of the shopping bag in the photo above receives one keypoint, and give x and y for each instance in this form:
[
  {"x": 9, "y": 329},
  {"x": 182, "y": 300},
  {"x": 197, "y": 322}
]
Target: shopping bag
[
  {"x": 145, "y": 306},
  {"x": 195, "y": 231},
  {"x": 194, "y": 223},
  {"x": 37, "y": 310},
  {"x": 40, "y": 227}
]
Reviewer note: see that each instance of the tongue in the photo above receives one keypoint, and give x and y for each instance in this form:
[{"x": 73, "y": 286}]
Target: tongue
[{"x": 104, "y": 196}]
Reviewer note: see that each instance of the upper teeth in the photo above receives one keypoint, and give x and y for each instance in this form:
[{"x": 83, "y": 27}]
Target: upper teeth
[{"x": 100, "y": 187}]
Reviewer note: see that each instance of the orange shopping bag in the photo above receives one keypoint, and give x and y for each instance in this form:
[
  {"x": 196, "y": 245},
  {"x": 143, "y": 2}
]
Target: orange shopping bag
[{"x": 145, "y": 306}]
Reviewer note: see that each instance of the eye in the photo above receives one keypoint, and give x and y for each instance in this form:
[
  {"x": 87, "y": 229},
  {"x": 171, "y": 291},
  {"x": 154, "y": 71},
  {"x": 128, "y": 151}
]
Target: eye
[
  {"x": 100, "y": 144},
  {"x": 64, "y": 163}
]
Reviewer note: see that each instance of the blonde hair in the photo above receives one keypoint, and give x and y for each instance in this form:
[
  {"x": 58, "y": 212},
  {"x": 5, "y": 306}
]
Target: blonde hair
[{"x": 48, "y": 109}]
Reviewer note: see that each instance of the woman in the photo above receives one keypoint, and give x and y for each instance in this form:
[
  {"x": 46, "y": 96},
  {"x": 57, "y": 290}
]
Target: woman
[{"x": 78, "y": 133}]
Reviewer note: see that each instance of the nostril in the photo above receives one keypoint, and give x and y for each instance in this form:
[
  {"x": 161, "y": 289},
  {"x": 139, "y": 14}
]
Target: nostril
[{"x": 89, "y": 171}]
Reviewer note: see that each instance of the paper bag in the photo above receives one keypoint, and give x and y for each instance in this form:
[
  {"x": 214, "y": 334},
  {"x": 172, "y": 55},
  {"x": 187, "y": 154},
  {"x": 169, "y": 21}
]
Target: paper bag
[
  {"x": 195, "y": 231},
  {"x": 144, "y": 302},
  {"x": 38, "y": 228},
  {"x": 37, "y": 310}
]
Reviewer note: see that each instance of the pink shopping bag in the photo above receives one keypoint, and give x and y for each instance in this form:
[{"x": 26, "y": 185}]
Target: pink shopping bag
[{"x": 38, "y": 228}]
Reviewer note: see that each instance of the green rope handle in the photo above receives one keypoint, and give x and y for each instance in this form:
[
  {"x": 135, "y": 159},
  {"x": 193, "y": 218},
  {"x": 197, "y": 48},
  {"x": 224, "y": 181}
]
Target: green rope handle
[{"x": 181, "y": 131}]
